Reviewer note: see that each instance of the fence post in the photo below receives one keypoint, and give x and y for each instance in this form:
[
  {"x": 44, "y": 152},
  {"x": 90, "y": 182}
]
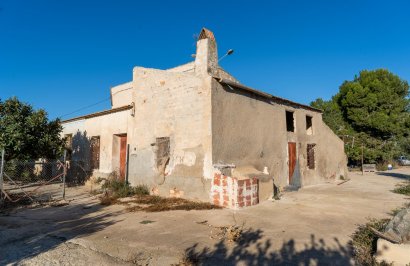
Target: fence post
[
  {"x": 1, "y": 175},
  {"x": 362, "y": 159},
  {"x": 64, "y": 172}
]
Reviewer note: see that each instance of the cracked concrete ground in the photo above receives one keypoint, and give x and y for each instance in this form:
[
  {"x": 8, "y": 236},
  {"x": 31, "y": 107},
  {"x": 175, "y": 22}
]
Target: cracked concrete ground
[{"x": 307, "y": 227}]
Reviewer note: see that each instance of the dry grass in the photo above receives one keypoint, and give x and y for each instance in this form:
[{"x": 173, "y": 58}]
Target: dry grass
[
  {"x": 151, "y": 203},
  {"x": 188, "y": 260},
  {"x": 231, "y": 233},
  {"x": 108, "y": 199},
  {"x": 138, "y": 199},
  {"x": 20, "y": 200},
  {"x": 8, "y": 205},
  {"x": 364, "y": 242}
]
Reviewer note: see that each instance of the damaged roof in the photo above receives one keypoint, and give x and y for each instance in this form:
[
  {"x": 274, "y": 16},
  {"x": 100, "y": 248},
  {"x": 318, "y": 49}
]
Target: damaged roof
[
  {"x": 206, "y": 34},
  {"x": 266, "y": 95}
]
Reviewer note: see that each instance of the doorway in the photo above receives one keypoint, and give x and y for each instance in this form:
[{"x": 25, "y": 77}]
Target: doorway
[
  {"x": 291, "y": 160},
  {"x": 123, "y": 156}
]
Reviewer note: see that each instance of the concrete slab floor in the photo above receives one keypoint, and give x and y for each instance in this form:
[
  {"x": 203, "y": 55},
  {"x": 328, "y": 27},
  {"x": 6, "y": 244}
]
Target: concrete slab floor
[{"x": 309, "y": 227}]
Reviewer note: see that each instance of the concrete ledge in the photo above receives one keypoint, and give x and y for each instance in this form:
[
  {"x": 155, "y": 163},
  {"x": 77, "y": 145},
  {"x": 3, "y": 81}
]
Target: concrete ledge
[{"x": 398, "y": 254}]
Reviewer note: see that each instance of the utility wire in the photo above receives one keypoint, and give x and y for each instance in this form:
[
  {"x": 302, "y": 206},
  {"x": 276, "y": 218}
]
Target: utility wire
[
  {"x": 85, "y": 107},
  {"x": 94, "y": 104}
]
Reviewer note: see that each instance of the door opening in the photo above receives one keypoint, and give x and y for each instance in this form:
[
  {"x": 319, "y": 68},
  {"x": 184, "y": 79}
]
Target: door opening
[
  {"x": 123, "y": 156},
  {"x": 291, "y": 160}
]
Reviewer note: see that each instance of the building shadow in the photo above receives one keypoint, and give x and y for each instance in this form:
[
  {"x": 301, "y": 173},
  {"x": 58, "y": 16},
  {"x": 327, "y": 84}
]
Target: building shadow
[
  {"x": 251, "y": 250},
  {"x": 78, "y": 166},
  {"x": 395, "y": 175},
  {"x": 30, "y": 232}
]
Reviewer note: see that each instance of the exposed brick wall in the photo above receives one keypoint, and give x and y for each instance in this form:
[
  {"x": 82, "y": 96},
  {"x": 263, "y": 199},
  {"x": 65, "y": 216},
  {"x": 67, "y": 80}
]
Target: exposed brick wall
[{"x": 233, "y": 192}]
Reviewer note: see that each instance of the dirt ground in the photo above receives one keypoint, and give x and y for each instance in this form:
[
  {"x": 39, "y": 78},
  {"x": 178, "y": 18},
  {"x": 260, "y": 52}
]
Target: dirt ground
[{"x": 306, "y": 227}]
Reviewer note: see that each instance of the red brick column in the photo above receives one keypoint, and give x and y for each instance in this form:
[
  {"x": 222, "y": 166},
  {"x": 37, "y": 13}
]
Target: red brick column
[
  {"x": 233, "y": 192},
  {"x": 248, "y": 192}
]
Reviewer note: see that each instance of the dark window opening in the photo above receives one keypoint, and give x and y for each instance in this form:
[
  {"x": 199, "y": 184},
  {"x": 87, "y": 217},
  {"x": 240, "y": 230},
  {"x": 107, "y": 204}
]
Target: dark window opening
[
  {"x": 309, "y": 125},
  {"x": 163, "y": 152},
  {"x": 311, "y": 156},
  {"x": 95, "y": 152},
  {"x": 290, "y": 122}
]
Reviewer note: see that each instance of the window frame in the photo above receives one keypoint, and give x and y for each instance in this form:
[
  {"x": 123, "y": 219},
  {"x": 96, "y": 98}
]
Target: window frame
[{"x": 310, "y": 156}]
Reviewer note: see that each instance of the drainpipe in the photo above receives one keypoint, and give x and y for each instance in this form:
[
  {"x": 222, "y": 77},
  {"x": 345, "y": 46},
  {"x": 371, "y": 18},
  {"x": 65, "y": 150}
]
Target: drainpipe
[{"x": 126, "y": 163}]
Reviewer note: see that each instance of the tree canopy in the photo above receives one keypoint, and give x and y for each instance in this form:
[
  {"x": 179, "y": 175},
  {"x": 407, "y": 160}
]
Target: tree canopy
[
  {"x": 373, "y": 109},
  {"x": 26, "y": 133}
]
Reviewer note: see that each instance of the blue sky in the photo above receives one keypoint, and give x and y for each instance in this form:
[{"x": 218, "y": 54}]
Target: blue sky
[{"x": 64, "y": 55}]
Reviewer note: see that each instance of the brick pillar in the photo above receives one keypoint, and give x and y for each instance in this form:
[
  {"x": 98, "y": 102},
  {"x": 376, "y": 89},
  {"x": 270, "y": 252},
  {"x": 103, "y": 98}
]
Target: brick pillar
[{"x": 234, "y": 193}]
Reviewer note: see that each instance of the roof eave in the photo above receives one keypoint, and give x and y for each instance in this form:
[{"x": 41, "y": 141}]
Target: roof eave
[
  {"x": 267, "y": 95},
  {"x": 101, "y": 113}
]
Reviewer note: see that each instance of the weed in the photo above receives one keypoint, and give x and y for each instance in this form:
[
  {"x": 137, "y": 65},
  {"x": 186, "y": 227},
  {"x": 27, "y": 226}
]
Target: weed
[
  {"x": 115, "y": 189},
  {"x": 395, "y": 211},
  {"x": 189, "y": 258},
  {"x": 398, "y": 209},
  {"x": 141, "y": 190},
  {"x": 403, "y": 188},
  {"x": 107, "y": 200},
  {"x": 147, "y": 222},
  {"x": 364, "y": 242}
]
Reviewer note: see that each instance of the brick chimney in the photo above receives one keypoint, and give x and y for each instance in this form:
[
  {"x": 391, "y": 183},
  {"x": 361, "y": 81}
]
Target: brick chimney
[{"x": 206, "y": 60}]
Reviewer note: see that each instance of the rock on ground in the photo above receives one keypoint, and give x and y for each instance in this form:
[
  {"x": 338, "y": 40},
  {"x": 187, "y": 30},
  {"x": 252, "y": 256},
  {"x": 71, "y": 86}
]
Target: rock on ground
[{"x": 399, "y": 226}]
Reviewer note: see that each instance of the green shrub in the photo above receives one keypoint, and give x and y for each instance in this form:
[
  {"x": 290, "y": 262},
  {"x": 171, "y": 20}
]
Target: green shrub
[
  {"x": 381, "y": 166},
  {"x": 141, "y": 190},
  {"x": 22, "y": 171},
  {"x": 120, "y": 189}
]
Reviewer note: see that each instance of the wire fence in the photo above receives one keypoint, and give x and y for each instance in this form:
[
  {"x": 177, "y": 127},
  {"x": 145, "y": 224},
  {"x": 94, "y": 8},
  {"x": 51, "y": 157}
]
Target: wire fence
[
  {"x": 39, "y": 180},
  {"x": 35, "y": 180}
]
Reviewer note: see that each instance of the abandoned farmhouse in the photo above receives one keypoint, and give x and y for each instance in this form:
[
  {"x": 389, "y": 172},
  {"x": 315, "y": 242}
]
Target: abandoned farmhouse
[{"x": 194, "y": 131}]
